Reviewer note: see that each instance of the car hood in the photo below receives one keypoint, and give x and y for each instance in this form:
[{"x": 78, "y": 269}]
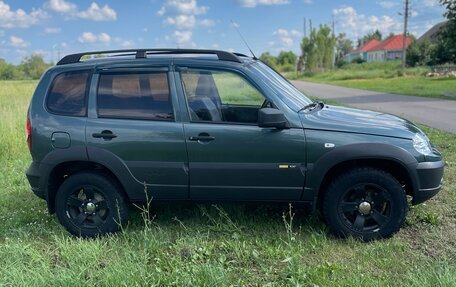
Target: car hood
[{"x": 358, "y": 121}]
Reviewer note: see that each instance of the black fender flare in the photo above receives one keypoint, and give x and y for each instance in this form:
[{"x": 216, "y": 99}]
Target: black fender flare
[
  {"x": 133, "y": 188},
  {"x": 54, "y": 158},
  {"x": 318, "y": 170}
]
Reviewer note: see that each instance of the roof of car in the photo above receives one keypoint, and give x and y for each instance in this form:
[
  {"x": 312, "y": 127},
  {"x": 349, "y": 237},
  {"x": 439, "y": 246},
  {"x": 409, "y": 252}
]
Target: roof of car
[{"x": 137, "y": 54}]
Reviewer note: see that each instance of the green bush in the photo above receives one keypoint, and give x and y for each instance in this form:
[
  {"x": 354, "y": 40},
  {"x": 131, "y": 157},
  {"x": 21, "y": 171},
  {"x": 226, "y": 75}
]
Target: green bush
[
  {"x": 31, "y": 67},
  {"x": 286, "y": 68},
  {"x": 341, "y": 63},
  {"x": 357, "y": 60}
]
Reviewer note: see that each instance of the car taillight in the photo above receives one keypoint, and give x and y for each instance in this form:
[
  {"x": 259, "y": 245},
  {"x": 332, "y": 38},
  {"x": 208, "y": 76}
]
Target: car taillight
[{"x": 29, "y": 134}]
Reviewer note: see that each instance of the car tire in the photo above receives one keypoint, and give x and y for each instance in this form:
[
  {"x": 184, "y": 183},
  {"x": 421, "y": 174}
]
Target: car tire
[
  {"x": 365, "y": 203},
  {"x": 89, "y": 204}
]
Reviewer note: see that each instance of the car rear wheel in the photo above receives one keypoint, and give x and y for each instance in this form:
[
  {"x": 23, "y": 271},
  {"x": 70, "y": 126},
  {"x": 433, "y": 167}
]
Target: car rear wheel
[
  {"x": 89, "y": 204},
  {"x": 365, "y": 203}
]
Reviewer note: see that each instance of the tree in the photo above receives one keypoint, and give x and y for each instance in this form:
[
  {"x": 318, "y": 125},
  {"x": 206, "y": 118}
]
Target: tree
[
  {"x": 446, "y": 47},
  {"x": 318, "y": 49},
  {"x": 343, "y": 46},
  {"x": 269, "y": 59},
  {"x": 390, "y": 35},
  {"x": 34, "y": 66},
  {"x": 286, "y": 61},
  {"x": 10, "y": 71},
  {"x": 377, "y": 35},
  {"x": 286, "y": 58},
  {"x": 420, "y": 53}
]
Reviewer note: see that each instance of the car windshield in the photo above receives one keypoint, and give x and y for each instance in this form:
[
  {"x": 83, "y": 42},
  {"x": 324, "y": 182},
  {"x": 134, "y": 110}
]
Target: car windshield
[{"x": 284, "y": 89}]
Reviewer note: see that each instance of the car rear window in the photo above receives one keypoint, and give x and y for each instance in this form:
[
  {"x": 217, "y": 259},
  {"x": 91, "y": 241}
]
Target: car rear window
[
  {"x": 135, "y": 96},
  {"x": 68, "y": 93}
]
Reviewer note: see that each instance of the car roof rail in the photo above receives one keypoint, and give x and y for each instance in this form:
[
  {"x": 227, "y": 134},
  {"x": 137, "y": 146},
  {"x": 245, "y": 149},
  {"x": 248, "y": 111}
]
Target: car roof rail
[{"x": 142, "y": 53}]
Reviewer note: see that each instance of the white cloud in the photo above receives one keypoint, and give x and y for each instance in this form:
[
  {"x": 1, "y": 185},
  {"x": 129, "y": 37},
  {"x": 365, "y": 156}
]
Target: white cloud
[
  {"x": 182, "y": 7},
  {"x": 182, "y": 22},
  {"x": 295, "y": 33},
  {"x": 387, "y": 4},
  {"x": 89, "y": 37},
  {"x": 124, "y": 43},
  {"x": 95, "y": 13},
  {"x": 356, "y": 25},
  {"x": 182, "y": 37},
  {"x": 18, "y": 42},
  {"x": 286, "y": 38},
  {"x": 104, "y": 38},
  {"x": 254, "y": 3},
  {"x": 52, "y": 30},
  {"x": 206, "y": 22},
  {"x": 430, "y": 3},
  {"x": 127, "y": 43},
  {"x": 183, "y": 16},
  {"x": 19, "y": 18},
  {"x": 61, "y": 6},
  {"x": 308, "y": 1}
]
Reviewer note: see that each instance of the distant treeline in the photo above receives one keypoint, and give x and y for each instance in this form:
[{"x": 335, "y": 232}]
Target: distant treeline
[
  {"x": 284, "y": 62},
  {"x": 31, "y": 67}
]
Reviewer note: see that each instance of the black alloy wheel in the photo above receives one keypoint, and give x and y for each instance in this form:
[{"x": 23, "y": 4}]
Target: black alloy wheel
[
  {"x": 89, "y": 204},
  {"x": 365, "y": 203}
]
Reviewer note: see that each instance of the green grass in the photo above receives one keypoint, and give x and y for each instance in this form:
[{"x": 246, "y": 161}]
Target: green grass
[
  {"x": 211, "y": 245},
  {"x": 388, "y": 77}
]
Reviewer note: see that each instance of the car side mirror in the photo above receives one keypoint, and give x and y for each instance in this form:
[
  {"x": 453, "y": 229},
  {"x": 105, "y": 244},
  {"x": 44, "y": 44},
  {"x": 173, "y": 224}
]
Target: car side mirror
[{"x": 272, "y": 118}]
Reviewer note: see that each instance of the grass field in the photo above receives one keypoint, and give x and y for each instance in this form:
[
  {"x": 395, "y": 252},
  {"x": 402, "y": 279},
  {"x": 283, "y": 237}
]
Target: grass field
[
  {"x": 211, "y": 245},
  {"x": 388, "y": 78}
]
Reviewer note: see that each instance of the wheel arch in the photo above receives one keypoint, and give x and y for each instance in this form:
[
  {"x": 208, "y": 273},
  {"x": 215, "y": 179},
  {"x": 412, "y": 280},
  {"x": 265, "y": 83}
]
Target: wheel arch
[
  {"x": 59, "y": 164},
  {"x": 392, "y": 159},
  {"x": 65, "y": 169}
]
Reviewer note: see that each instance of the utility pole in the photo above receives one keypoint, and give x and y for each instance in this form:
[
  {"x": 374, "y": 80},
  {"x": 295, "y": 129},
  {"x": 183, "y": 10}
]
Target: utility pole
[
  {"x": 305, "y": 28},
  {"x": 404, "y": 43},
  {"x": 310, "y": 26},
  {"x": 334, "y": 36}
]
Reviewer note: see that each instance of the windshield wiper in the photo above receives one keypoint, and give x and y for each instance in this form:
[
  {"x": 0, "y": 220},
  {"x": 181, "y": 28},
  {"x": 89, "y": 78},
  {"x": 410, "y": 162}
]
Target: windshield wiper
[{"x": 312, "y": 106}]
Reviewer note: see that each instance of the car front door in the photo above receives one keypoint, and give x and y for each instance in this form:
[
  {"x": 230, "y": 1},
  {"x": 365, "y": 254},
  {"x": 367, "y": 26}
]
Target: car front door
[
  {"x": 230, "y": 156},
  {"x": 132, "y": 119}
]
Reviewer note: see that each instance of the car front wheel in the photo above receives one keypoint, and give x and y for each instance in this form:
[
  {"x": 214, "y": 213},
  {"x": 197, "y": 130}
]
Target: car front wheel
[
  {"x": 365, "y": 203},
  {"x": 90, "y": 204}
]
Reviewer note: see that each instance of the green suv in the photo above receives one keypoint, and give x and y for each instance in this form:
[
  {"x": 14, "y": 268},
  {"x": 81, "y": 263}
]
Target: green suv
[{"x": 206, "y": 125}]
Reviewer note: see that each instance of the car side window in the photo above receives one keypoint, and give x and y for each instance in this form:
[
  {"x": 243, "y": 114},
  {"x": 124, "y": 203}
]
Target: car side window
[
  {"x": 68, "y": 93},
  {"x": 134, "y": 96},
  {"x": 221, "y": 96}
]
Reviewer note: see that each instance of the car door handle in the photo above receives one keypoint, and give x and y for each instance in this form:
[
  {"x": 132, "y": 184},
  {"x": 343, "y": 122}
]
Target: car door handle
[
  {"x": 107, "y": 135},
  {"x": 201, "y": 138}
]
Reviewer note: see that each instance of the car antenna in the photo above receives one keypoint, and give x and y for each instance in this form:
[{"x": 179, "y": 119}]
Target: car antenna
[{"x": 235, "y": 26}]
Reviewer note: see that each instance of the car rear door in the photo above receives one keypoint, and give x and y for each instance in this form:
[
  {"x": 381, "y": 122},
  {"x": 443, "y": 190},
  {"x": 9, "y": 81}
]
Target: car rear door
[
  {"x": 230, "y": 156},
  {"x": 132, "y": 119}
]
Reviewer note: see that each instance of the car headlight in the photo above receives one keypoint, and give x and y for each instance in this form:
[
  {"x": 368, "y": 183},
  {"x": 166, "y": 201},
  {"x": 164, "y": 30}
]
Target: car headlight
[{"x": 422, "y": 144}]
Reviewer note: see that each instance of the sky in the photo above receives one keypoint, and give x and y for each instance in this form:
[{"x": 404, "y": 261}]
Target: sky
[{"x": 55, "y": 28}]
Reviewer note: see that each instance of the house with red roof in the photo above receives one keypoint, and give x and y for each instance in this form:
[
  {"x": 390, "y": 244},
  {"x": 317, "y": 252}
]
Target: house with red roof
[
  {"x": 375, "y": 51},
  {"x": 361, "y": 52},
  {"x": 390, "y": 49}
]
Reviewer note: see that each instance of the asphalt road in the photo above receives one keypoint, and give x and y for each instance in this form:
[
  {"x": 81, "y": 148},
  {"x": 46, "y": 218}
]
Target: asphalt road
[{"x": 436, "y": 113}]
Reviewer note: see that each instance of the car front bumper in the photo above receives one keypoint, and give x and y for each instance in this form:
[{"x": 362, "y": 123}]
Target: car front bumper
[{"x": 430, "y": 179}]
